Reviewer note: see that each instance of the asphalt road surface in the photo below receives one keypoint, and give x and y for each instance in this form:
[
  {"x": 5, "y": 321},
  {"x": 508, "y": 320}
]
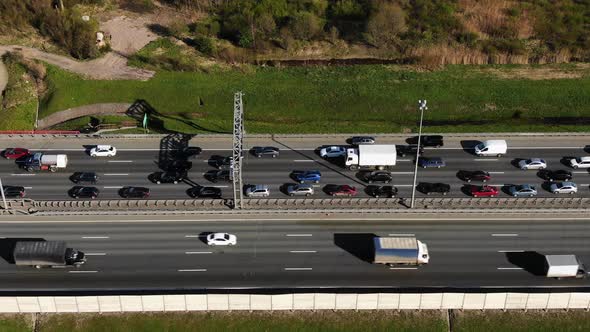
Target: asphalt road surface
[
  {"x": 275, "y": 253},
  {"x": 133, "y": 166}
]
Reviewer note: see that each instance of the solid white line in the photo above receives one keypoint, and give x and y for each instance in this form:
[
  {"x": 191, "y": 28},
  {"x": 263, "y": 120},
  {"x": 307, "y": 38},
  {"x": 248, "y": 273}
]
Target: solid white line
[
  {"x": 400, "y": 234},
  {"x": 220, "y": 186},
  {"x": 197, "y": 252},
  {"x": 505, "y": 234},
  {"x": 95, "y": 254},
  {"x": 304, "y": 160},
  {"x": 485, "y": 159},
  {"x": 505, "y": 251},
  {"x": 298, "y": 269},
  {"x": 584, "y": 184},
  {"x": 23, "y": 174},
  {"x": 82, "y": 271},
  {"x": 28, "y": 187},
  {"x": 496, "y": 172},
  {"x": 404, "y": 160},
  {"x": 95, "y": 237},
  {"x": 303, "y": 251},
  {"x": 113, "y": 187},
  {"x": 404, "y": 185},
  {"x": 401, "y": 172},
  {"x": 120, "y": 161},
  {"x": 192, "y": 236},
  {"x": 299, "y": 235},
  {"x": 192, "y": 270},
  {"x": 116, "y": 174},
  {"x": 403, "y": 268},
  {"x": 510, "y": 268}
]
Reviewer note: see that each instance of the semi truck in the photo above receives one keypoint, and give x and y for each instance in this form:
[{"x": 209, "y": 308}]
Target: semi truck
[
  {"x": 46, "y": 254},
  {"x": 377, "y": 156},
  {"x": 564, "y": 266},
  {"x": 45, "y": 162},
  {"x": 400, "y": 251}
]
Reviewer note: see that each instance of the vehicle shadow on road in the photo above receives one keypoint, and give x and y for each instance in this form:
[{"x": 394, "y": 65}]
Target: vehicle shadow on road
[
  {"x": 530, "y": 261},
  {"x": 359, "y": 245},
  {"x": 469, "y": 146},
  {"x": 7, "y": 247}
]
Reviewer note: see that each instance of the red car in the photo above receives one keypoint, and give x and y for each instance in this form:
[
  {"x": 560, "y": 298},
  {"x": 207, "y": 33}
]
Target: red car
[
  {"x": 343, "y": 190},
  {"x": 484, "y": 191},
  {"x": 15, "y": 153}
]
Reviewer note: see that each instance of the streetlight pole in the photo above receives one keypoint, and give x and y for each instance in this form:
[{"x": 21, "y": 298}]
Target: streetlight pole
[
  {"x": 422, "y": 106},
  {"x": 3, "y": 197}
]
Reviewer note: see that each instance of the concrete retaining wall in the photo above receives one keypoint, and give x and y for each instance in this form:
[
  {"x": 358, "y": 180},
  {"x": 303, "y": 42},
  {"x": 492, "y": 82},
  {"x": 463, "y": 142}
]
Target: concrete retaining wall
[{"x": 305, "y": 301}]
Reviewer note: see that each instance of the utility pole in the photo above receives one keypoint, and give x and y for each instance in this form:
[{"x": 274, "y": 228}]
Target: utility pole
[
  {"x": 3, "y": 197},
  {"x": 422, "y": 106},
  {"x": 238, "y": 142}
]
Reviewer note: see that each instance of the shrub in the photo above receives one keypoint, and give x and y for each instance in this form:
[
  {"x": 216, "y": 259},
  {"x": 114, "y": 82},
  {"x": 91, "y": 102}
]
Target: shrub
[
  {"x": 205, "y": 45},
  {"x": 306, "y": 26},
  {"x": 385, "y": 25}
]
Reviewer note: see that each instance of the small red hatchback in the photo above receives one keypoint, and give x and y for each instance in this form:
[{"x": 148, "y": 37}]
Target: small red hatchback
[
  {"x": 343, "y": 190},
  {"x": 484, "y": 191},
  {"x": 15, "y": 153}
]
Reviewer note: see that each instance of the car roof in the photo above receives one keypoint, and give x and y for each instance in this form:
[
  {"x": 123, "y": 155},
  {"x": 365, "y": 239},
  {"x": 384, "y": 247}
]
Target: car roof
[
  {"x": 586, "y": 158},
  {"x": 303, "y": 185},
  {"x": 537, "y": 159},
  {"x": 103, "y": 147},
  {"x": 260, "y": 187},
  {"x": 568, "y": 183}
]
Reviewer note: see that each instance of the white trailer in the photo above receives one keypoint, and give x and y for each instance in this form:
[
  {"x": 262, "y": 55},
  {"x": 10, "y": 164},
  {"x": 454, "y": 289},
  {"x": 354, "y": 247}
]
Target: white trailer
[
  {"x": 564, "y": 266},
  {"x": 400, "y": 251},
  {"x": 377, "y": 156}
]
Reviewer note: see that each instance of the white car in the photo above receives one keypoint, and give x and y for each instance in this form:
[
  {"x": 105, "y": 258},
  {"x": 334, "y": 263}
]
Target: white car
[
  {"x": 564, "y": 188},
  {"x": 580, "y": 162},
  {"x": 221, "y": 239},
  {"x": 103, "y": 151},
  {"x": 533, "y": 163},
  {"x": 333, "y": 152}
]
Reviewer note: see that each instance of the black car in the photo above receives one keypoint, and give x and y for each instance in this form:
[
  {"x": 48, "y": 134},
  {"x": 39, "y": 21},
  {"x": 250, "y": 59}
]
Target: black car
[
  {"x": 266, "y": 151},
  {"x": 216, "y": 176},
  {"x": 428, "y": 140},
  {"x": 433, "y": 188},
  {"x": 84, "y": 192},
  {"x": 381, "y": 191},
  {"x": 468, "y": 176},
  {"x": 204, "y": 192},
  {"x": 191, "y": 151},
  {"x": 558, "y": 175},
  {"x": 222, "y": 162},
  {"x": 356, "y": 140},
  {"x": 134, "y": 192},
  {"x": 168, "y": 177},
  {"x": 14, "y": 191},
  {"x": 377, "y": 176},
  {"x": 410, "y": 149},
  {"x": 179, "y": 165},
  {"x": 87, "y": 177}
]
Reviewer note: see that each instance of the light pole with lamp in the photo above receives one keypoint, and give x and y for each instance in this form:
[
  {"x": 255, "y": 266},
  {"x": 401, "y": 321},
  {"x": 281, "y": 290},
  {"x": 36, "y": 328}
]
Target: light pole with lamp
[
  {"x": 422, "y": 106},
  {"x": 3, "y": 197}
]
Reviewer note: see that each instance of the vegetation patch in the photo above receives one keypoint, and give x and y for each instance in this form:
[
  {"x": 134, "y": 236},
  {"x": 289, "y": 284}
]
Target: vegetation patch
[
  {"x": 18, "y": 108},
  {"x": 518, "y": 321},
  {"x": 16, "y": 323}
]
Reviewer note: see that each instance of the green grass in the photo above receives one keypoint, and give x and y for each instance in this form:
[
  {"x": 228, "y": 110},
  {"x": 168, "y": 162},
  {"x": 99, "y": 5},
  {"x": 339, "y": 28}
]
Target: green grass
[
  {"x": 19, "y": 106},
  {"x": 15, "y": 323},
  {"x": 82, "y": 122},
  {"x": 372, "y": 98},
  {"x": 518, "y": 321}
]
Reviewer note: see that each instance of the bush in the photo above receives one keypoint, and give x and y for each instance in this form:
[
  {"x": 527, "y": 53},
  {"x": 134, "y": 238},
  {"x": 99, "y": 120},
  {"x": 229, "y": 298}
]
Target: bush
[
  {"x": 306, "y": 26},
  {"x": 205, "y": 45},
  {"x": 385, "y": 25}
]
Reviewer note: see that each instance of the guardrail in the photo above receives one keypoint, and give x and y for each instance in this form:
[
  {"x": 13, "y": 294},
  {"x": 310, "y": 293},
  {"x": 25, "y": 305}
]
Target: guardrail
[{"x": 39, "y": 132}]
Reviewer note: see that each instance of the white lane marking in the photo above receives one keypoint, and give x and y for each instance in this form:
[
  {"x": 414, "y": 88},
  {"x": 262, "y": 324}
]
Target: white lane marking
[
  {"x": 505, "y": 251},
  {"x": 113, "y": 187},
  {"x": 220, "y": 186},
  {"x": 95, "y": 253},
  {"x": 293, "y": 235},
  {"x": 584, "y": 184},
  {"x": 504, "y": 234},
  {"x": 95, "y": 237},
  {"x": 23, "y": 174},
  {"x": 403, "y": 268},
  {"x": 28, "y": 187},
  {"x": 120, "y": 161},
  {"x": 192, "y": 236},
  {"x": 197, "y": 252},
  {"x": 510, "y": 268},
  {"x": 192, "y": 270},
  {"x": 116, "y": 174},
  {"x": 298, "y": 269},
  {"x": 82, "y": 271},
  {"x": 401, "y": 172},
  {"x": 485, "y": 159},
  {"x": 397, "y": 234},
  {"x": 496, "y": 172},
  {"x": 404, "y": 160},
  {"x": 404, "y": 185},
  {"x": 304, "y": 160},
  {"x": 581, "y": 172},
  {"x": 303, "y": 251}
]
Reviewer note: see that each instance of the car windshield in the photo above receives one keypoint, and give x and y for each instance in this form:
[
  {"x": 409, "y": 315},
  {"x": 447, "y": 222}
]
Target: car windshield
[{"x": 226, "y": 236}]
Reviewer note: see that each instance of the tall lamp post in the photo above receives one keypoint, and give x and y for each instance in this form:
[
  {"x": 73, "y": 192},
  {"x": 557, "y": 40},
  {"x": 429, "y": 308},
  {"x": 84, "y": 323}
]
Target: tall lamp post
[
  {"x": 3, "y": 197},
  {"x": 422, "y": 106}
]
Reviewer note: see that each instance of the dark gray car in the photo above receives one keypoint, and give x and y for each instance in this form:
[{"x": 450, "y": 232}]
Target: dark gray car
[{"x": 266, "y": 151}]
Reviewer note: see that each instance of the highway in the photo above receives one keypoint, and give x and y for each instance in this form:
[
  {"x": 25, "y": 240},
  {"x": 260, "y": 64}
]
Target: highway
[
  {"x": 279, "y": 252},
  {"x": 132, "y": 166}
]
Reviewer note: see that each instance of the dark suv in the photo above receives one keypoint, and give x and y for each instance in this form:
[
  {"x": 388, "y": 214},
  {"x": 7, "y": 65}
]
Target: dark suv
[
  {"x": 14, "y": 191},
  {"x": 468, "y": 176},
  {"x": 84, "y": 192},
  {"x": 84, "y": 177},
  {"x": 204, "y": 192},
  {"x": 377, "y": 176},
  {"x": 558, "y": 175},
  {"x": 168, "y": 177},
  {"x": 433, "y": 188},
  {"x": 428, "y": 140},
  {"x": 216, "y": 176},
  {"x": 134, "y": 192},
  {"x": 410, "y": 149},
  {"x": 381, "y": 191}
]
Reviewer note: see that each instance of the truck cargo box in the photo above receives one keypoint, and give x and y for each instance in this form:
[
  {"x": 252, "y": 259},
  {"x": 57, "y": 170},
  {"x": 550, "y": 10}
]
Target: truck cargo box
[
  {"x": 377, "y": 155},
  {"x": 399, "y": 250},
  {"x": 562, "y": 266},
  {"x": 59, "y": 160},
  {"x": 42, "y": 253}
]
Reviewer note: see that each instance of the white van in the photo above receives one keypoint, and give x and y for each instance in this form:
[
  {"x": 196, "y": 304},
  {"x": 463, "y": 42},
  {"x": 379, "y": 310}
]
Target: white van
[{"x": 491, "y": 148}]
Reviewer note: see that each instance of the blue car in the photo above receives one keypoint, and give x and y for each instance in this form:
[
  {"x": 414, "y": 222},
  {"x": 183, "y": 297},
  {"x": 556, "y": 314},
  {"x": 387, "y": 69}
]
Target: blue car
[
  {"x": 307, "y": 176},
  {"x": 425, "y": 162}
]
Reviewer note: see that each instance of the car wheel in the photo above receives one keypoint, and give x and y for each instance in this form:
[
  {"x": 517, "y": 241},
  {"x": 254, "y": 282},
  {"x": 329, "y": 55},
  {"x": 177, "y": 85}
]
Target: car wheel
[
  {"x": 291, "y": 195},
  {"x": 444, "y": 194},
  {"x": 376, "y": 196},
  {"x": 316, "y": 181},
  {"x": 492, "y": 195},
  {"x": 550, "y": 180},
  {"x": 370, "y": 181},
  {"x": 514, "y": 195},
  {"x": 468, "y": 180},
  {"x": 572, "y": 192},
  {"x": 531, "y": 195},
  {"x": 93, "y": 155},
  {"x": 175, "y": 182},
  {"x": 158, "y": 182},
  {"x": 576, "y": 167},
  {"x": 474, "y": 195},
  {"x": 274, "y": 155},
  {"x": 437, "y": 166}
]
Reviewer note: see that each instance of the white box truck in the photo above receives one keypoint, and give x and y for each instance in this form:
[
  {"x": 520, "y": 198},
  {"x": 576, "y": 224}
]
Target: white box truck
[
  {"x": 496, "y": 148},
  {"x": 564, "y": 266},
  {"x": 42, "y": 162},
  {"x": 400, "y": 251},
  {"x": 377, "y": 156}
]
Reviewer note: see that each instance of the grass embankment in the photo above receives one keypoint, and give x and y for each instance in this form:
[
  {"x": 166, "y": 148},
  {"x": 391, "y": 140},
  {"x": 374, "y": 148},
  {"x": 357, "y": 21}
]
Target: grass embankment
[
  {"x": 518, "y": 321},
  {"x": 19, "y": 105},
  {"x": 372, "y": 98}
]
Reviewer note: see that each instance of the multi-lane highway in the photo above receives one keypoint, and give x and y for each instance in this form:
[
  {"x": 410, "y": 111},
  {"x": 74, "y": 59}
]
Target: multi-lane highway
[
  {"x": 282, "y": 252},
  {"x": 133, "y": 165}
]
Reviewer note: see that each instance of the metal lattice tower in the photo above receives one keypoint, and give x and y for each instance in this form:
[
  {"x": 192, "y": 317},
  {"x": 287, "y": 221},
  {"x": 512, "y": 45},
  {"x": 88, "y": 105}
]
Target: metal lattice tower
[{"x": 238, "y": 138}]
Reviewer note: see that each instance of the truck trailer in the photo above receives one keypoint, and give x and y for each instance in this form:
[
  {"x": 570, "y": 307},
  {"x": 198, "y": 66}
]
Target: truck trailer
[
  {"x": 400, "y": 251},
  {"x": 564, "y": 266},
  {"x": 377, "y": 156},
  {"x": 46, "y": 254},
  {"x": 45, "y": 162}
]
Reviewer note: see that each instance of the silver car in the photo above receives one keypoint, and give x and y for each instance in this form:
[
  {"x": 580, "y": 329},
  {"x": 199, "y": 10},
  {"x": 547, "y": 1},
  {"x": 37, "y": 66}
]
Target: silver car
[
  {"x": 357, "y": 140},
  {"x": 259, "y": 190},
  {"x": 299, "y": 189},
  {"x": 533, "y": 163},
  {"x": 564, "y": 188},
  {"x": 523, "y": 190}
]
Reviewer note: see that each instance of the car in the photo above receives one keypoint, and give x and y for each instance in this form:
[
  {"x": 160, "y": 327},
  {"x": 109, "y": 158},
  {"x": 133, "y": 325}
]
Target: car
[
  {"x": 265, "y": 151},
  {"x": 358, "y": 140},
  {"x": 134, "y": 192},
  {"x": 376, "y": 176},
  {"x": 429, "y": 188},
  {"x": 258, "y": 190},
  {"x": 15, "y": 153},
  {"x": 382, "y": 191},
  {"x": 301, "y": 189},
  {"x": 167, "y": 177},
  {"x": 558, "y": 175},
  {"x": 484, "y": 191},
  {"x": 342, "y": 190},
  {"x": 13, "y": 191},
  {"x": 221, "y": 239},
  {"x": 563, "y": 188},
  {"x": 480, "y": 176},
  {"x": 221, "y": 175},
  {"x": 533, "y": 163},
  {"x": 88, "y": 177},
  {"x": 430, "y": 162},
  {"x": 204, "y": 192},
  {"x": 190, "y": 151},
  {"x": 222, "y": 162},
  {"x": 307, "y": 176},
  {"x": 522, "y": 190},
  {"x": 580, "y": 162},
  {"x": 84, "y": 192},
  {"x": 410, "y": 149},
  {"x": 333, "y": 152},
  {"x": 428, "y": 140},
  {"x": 179, "y": 165},
  {"x": 103, "y": 151}
]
